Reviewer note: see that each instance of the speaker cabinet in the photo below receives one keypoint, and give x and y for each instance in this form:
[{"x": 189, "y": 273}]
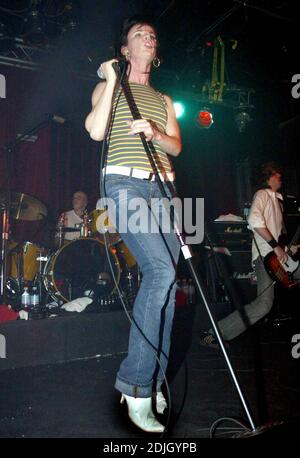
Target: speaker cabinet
[{"x": 232, "y": 276}]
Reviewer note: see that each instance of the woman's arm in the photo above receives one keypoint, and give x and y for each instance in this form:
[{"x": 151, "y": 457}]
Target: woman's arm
[{"x": 96, "y": 121}]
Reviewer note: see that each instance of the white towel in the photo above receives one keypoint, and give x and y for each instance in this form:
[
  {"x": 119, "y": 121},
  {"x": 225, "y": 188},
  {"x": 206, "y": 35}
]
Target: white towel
[{"x": 77, "y": 305}]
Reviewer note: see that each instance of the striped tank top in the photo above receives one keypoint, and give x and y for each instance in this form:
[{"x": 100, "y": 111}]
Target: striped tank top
[{"x": 128, "y": 150}]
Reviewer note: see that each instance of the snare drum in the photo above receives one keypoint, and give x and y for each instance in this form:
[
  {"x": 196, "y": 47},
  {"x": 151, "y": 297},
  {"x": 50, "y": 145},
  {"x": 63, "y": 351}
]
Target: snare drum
[{"x": 79, "y": 269}]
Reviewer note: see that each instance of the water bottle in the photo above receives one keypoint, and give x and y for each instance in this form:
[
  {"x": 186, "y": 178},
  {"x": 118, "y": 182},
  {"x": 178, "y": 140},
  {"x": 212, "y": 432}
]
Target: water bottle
[
  {"x": 25, "y": 299},
  {"x": 34, "y": 299}
]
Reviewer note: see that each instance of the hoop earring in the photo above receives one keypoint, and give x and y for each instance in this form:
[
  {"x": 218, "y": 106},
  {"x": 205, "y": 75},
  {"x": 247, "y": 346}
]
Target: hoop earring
[
  {"x": 127, "y": 55},
  {"x": 156, "y": 62}
]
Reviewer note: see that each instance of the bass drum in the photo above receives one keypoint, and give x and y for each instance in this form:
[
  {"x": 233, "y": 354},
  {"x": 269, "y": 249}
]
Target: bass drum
[{"x": 81, "y": 268}]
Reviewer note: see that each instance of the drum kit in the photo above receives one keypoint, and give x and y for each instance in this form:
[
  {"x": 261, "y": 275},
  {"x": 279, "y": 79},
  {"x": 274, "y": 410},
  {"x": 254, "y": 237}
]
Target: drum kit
[{"x": 74, "y": 268}]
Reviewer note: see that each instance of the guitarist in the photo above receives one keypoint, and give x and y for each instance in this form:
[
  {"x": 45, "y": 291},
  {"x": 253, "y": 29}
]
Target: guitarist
[{"x": 266, "y": 222}]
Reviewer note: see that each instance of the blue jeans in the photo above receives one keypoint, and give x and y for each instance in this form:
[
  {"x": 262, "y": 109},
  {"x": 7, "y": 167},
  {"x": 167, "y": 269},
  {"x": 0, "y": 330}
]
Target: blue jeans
[{"x": 153, "y": 310}]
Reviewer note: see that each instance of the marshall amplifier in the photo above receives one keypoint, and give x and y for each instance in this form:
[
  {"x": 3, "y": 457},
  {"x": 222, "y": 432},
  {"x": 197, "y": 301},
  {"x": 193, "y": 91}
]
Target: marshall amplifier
[
  {"x": 230, "y": 234},
  {"x": 230, "y": 261},
  {"x": 232, "y": 270}
]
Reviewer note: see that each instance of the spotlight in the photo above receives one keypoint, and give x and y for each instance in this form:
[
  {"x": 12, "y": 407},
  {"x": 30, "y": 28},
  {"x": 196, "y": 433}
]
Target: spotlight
[
  {"x": 205, "y": 118},
  {"x": 242, "y": 119},
  {"x": 179, "y": 109}
]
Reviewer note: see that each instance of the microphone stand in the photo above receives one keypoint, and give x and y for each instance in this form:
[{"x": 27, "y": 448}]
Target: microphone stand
[
  {"x": 8, "y": 150},
  {"x": 186, "y": 251}
]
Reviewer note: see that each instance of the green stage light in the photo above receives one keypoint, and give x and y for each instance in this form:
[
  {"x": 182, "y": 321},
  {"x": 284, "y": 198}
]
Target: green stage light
[{"x": 179, "y": 109}]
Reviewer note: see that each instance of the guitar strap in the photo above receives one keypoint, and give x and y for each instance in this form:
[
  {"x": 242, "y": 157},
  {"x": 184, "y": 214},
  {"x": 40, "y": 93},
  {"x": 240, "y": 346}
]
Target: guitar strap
[
  {"x": 257, "y": 247},
  {"x": 284, "y": 226}
]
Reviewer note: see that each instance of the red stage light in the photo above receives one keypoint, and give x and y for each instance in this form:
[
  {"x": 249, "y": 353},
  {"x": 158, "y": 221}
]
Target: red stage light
[{"x": 205, "y": 118}]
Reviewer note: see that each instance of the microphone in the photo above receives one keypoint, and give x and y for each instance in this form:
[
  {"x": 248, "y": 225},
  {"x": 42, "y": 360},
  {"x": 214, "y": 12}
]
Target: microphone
[
  {"x": 100, "y": 73},
  {"x": 119, "y": 67}
]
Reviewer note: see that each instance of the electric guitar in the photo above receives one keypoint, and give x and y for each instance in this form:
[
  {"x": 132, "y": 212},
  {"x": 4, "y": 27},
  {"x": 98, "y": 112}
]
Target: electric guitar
[{"x": 282, "y": 272}]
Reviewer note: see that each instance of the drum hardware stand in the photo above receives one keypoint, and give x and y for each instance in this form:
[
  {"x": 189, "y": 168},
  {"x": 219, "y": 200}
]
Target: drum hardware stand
[
  {"x": 4, "y": 254},
  {"x": 60, "y": 236},
  {"x": 84, "y": 230},
  {"x": 8, "y": 150},
  {"x": 129, "y": 277},
  {"x": 20, "y": 270},
  {"x": 69, "y": 288},
  {"x": 40, "y": 276},
  {"x": 185, "y": 249},
  {"x": 4, "y": 247}
]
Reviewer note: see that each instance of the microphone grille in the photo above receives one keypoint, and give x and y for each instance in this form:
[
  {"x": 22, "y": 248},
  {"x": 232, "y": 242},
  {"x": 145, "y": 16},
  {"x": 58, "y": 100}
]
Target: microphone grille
[{"x": 100, "y": 73}]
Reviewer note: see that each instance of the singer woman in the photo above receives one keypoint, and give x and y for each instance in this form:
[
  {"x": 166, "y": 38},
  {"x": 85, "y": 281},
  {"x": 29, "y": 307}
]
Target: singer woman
[{"x": 128, "y": 169}]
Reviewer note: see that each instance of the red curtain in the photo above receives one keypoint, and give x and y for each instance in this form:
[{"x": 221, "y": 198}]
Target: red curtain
[{"x": 60, "y": 160}]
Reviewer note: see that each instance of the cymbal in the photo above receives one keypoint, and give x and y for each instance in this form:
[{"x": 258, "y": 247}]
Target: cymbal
[{"x": 24, "y": 207}]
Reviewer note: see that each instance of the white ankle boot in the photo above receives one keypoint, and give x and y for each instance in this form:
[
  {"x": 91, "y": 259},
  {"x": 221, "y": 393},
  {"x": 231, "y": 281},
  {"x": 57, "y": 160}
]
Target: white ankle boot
[
  {"x": 161, "y": 403},
  {"x": 140, "y": 413}
]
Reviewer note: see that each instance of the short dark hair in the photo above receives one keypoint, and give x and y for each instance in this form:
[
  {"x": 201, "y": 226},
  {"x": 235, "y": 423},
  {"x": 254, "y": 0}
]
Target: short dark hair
[
  {"x": 127, "y": 25},
  {"x": 264, "y": 173}
]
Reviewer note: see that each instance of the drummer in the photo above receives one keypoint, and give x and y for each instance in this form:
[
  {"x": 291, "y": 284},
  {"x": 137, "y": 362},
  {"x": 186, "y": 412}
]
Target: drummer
[{"x": 73, "y": 218}]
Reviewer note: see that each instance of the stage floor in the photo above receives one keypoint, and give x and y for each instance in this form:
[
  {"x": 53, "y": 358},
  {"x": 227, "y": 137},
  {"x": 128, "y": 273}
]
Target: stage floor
[{"x": 76, "y": 399}]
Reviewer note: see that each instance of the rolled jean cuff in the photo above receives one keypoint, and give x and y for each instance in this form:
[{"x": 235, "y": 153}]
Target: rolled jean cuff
[{"x": 136, "y": 391}]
